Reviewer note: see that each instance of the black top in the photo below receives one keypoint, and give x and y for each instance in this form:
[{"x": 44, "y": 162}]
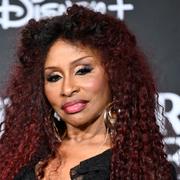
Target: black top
[{"x": 94, "y": 168}]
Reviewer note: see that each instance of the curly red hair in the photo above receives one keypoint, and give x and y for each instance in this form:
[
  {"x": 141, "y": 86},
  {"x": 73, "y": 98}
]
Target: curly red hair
[{"x": 29, "y": 138}]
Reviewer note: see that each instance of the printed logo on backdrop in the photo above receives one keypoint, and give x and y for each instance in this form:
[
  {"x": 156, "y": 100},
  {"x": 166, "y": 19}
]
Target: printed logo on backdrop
[
  {"x": 171, "y": 103},
  {"x": 16, "y": 13},
  {"x": 3, "y": 103}
]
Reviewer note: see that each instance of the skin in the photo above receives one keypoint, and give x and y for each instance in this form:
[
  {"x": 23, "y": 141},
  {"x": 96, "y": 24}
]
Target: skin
[{"x": 73, "y": 72}]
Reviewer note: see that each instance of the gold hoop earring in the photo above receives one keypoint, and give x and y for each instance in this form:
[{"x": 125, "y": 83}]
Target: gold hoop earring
[
  {"x": 56, "y": 132},
  {"x": 110, "y": 116},
  {"x": 56, "y": 115}
]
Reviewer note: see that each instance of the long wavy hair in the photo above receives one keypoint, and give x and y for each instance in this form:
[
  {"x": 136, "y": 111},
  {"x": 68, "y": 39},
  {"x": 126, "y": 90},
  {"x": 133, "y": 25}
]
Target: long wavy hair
[{"x": 138, "y": 151}]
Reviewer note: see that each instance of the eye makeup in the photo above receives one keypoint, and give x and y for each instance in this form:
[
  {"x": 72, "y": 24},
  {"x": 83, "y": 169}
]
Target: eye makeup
[
  {"x": 53, "y": 77},
  {"x": 84, "y": 70},
  {"x": 81, "y": 70}
]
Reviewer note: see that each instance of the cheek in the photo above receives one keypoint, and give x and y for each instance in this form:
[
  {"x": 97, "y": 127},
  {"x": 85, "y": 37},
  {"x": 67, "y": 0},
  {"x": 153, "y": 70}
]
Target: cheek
[
  {"x": 51, "y": 94},
  {"x": 96, "y": 85}
]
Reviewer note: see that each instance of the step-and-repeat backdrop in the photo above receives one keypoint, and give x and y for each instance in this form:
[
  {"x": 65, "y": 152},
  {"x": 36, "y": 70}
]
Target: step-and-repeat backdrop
[{"x": 157, "y": 28}]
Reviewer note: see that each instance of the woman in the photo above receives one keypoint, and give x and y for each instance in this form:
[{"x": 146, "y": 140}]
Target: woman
[{"x": 82, "y": 104}]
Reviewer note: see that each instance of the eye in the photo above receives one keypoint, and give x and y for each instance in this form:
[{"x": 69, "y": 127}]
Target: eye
[
  {"x": 84, "y": 70},
  {"x": 53, "y": 78}
]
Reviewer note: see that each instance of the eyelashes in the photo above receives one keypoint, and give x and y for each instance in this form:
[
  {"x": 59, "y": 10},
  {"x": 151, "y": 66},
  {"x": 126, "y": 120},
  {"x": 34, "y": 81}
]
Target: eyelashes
[
  {"x": 86, "y": 69},
  {"x": 82, "y": 71},
  {"x": 53, "y": 78}
]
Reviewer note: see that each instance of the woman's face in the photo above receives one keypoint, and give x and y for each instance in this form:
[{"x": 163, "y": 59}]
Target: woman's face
[{"x": 76, "y": 84}]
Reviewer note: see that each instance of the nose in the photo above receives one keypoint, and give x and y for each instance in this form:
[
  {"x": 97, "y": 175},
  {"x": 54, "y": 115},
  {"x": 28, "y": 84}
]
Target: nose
[{"x": 69, "y": 87}]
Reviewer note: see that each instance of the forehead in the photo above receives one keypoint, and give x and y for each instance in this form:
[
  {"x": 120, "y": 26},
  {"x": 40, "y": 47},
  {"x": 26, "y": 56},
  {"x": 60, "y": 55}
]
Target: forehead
[{"x": 64, "y": 53}]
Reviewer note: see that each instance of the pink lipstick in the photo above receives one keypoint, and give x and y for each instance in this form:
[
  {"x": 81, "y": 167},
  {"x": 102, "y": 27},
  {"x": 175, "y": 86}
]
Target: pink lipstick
[{"x": 74, "y": 106}]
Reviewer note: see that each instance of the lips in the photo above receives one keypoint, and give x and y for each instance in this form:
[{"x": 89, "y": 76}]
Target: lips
[{"x": 74, "y": 106}]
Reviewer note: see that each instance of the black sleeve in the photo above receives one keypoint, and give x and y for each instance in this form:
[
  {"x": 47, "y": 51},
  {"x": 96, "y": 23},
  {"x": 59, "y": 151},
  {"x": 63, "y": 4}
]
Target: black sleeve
[{"x": 26, "y": 173}]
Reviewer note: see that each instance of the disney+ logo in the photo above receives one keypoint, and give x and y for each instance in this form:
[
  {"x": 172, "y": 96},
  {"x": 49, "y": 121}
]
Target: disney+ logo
[{"x": 14, "y": 15}]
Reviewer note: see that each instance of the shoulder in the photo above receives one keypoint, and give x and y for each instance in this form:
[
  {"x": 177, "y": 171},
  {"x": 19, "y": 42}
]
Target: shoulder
[{"x": 26, "y": 173}]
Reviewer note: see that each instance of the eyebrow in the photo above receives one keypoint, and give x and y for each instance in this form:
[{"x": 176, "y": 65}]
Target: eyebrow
[{"x": 72, "y": 63}]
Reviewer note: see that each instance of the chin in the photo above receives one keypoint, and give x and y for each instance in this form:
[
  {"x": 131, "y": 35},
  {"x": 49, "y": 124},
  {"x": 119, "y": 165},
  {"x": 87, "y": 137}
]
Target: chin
[{"x": 79, "y": 123}]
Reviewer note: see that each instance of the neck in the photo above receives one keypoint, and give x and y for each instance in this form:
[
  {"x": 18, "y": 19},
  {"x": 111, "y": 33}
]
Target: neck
[{"x": 79, "y": 134}]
